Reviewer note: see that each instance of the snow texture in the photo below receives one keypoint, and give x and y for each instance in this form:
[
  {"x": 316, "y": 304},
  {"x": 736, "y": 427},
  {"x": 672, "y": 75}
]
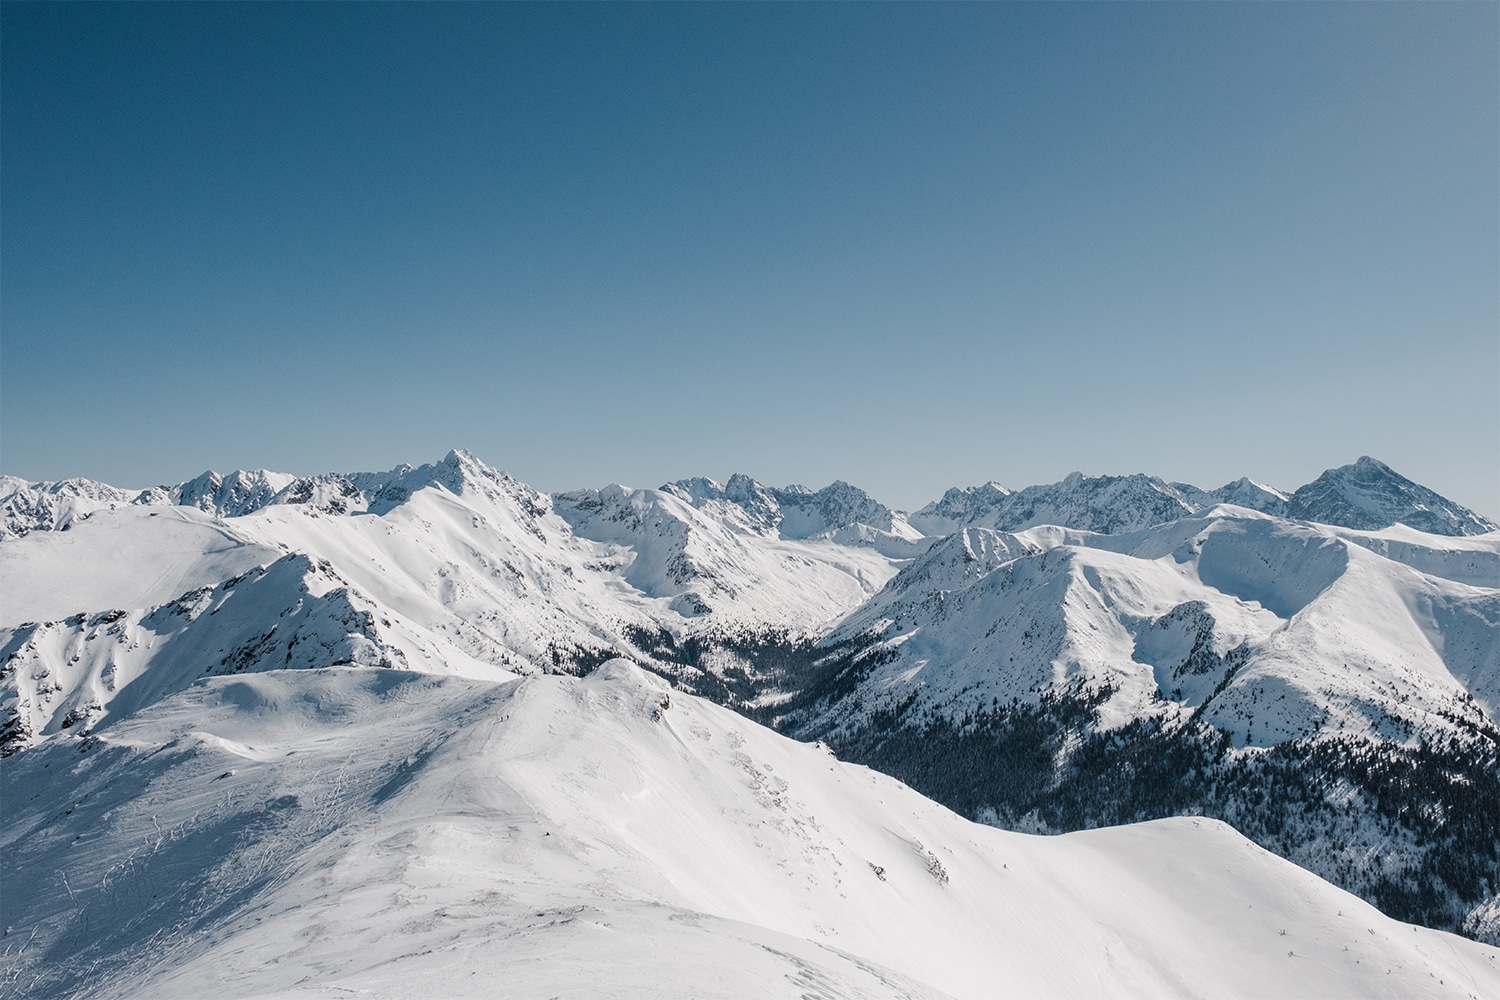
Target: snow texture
[{"x": 386, "y": 833}]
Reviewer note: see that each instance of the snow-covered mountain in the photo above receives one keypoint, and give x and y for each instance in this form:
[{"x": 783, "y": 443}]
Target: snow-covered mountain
[
  {"x": 1247, "y": 492},
  {"x": 710, "y": 555},
  {"x": 958, "y": 507},
  {"x": 838, "y": 512},
  {"x": 30, "y": 507},
  {"x": 472, "y": 565},
  {"x": 352, "y": 830},
  {"x": 1061, "y": 679},
  {"x": 1187, "y": 617},
  {"x": 58, "y": 506},
  {"x": 1093, "y": 503},
  {"x": 1370, "y": 495},
  {"x": 1367, "y": 495},
  {"x": 1101, "y": 650}
]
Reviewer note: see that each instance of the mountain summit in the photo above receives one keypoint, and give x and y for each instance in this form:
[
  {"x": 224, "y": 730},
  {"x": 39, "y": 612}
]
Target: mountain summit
[{"x": 1370, "y": 495}]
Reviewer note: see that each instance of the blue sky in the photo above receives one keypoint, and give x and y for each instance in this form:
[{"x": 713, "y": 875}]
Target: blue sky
[{"x": 906, "y": 246}]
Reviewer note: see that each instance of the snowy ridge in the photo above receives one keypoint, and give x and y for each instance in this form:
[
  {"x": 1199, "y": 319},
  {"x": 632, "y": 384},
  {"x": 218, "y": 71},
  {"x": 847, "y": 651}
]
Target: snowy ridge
[
  {"x": 57, "y": 506},
  {"x": 1366, "y": 495},
  {"x": 1199, "y": 616},
  {"x": 958, "y": 507},
  {"x": 292, "y": 614},
  {"x": 724, "y": 561},
  {"x": 1091, "y": 503},
  {"x": 475, "y": 565},
  {"x": 1056, "y": 679},
  {"x": 607, "y": 836},
  {"x": 841, "y": 512},
  {"x": 1247, "y": 492},
  {"x": 471, "y": 554},
  {"x": 28, "y": 507}
]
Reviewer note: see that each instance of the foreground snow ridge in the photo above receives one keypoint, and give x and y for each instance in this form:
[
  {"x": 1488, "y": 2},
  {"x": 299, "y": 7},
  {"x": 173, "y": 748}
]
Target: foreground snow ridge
[{"x": 376, "y": 832}]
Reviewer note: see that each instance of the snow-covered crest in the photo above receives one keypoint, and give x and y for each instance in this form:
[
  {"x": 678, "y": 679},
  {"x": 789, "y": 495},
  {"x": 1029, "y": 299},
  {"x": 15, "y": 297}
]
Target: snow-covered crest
[
  {"x": 1356, "y": 641},
  {"x": 1367, "y": 494},
  {"x": 551, "y": 834}
]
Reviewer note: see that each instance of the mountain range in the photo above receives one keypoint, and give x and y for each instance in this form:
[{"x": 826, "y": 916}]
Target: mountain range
[{"x": 1318, "y": 668}]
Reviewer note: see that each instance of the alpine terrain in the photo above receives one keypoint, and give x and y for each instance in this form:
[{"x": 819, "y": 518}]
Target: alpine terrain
[{"x": 434, "y": 732}]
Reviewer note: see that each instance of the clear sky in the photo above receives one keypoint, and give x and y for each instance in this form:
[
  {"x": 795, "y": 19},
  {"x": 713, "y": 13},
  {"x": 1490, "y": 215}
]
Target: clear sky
[{"x": 907, "y": 246}]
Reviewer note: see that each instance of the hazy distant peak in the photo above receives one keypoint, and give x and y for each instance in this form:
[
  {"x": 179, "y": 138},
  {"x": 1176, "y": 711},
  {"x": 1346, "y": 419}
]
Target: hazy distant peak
[{"x": 1370, "y": 495}]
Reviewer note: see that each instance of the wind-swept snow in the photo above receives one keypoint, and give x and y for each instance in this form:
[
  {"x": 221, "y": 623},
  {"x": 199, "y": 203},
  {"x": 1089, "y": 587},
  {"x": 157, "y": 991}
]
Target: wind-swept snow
[
  {"x": 389, "y": 834},
  {"x": 130, "y": 557}
]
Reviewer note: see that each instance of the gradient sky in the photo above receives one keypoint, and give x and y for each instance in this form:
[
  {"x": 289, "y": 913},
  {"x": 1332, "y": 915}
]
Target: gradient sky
[{"x": 906, "y": 246}]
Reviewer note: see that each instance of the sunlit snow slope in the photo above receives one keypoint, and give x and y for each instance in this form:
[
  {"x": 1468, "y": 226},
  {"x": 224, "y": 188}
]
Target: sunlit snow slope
[
  {"x": 1266, "y": 628},
  {"x": 1331, "y": 692},
  {"x": 375, "y": 832}
]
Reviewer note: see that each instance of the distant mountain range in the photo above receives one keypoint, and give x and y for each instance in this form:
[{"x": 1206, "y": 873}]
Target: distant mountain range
[
  {"x": 1367, "y": 494},
  {"x": 1319, "y": 668}
]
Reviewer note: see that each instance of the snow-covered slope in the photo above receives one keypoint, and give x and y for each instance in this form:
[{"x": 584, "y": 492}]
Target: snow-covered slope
[
  {"x": 1053, "y": 678},
  {"x": 725, "y": 559},
  {"x": 1200, "y": 615},
  {"x": 471, "y": 563},
  {"x": 129, "y": 557},
  {"x": 375, "y": 832},
  {"x": 91, "y": 668}
]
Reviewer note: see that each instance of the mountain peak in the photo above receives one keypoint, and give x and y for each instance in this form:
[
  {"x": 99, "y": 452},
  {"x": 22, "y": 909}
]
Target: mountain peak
[
  {"x": 459, "y": 456},
  {"x": 959, "y": 506},
  {"x": 1369, "y": 495}
]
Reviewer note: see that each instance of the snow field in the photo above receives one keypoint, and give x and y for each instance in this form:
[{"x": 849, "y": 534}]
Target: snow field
[{"x": 373, "y": 830}]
